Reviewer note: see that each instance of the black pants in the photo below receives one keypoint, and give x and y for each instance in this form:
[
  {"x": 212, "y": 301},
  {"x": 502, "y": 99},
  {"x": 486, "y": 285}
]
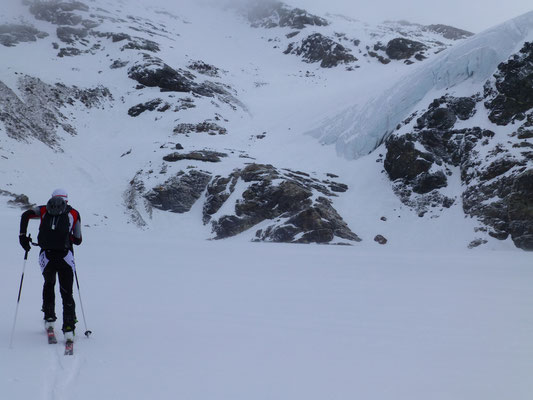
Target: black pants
[{"x": 58, "y": 267}]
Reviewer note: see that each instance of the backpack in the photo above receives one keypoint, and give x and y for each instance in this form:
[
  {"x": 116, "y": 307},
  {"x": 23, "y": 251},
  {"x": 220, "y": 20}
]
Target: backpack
[{"x": 54, "y": 231}]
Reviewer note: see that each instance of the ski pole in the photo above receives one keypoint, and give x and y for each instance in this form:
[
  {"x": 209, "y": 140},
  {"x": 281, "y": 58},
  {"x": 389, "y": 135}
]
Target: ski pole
[
  {"x": 87, "y": 332},
  {"x": 18, "y": 298}
]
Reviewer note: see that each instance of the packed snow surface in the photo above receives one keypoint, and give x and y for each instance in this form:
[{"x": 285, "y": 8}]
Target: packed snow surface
[{"x": 175, "y": 318}]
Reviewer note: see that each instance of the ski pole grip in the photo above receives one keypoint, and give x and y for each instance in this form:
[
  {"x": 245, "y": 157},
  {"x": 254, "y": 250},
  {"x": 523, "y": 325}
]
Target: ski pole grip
[{"x": 27, "y": 251}]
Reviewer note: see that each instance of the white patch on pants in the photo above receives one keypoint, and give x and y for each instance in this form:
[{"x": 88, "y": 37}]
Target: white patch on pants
[
  {"x": 43, "y": 261},
  {"x": 69, "y": 259}
]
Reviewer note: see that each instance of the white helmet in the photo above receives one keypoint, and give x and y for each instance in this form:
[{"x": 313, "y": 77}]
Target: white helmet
[{"x": 60, "y": 193}]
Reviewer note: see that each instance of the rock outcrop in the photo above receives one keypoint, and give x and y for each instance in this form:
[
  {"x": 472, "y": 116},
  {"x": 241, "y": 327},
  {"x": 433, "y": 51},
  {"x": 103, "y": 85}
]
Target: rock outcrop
[
  {"x": 448, "y": 32},
  {"x": 319, "y": 48},
  {"x": 152, "y": 105},
  {"x": 179, "y": 193},
  {"x": 282, "y": 205},
  {"x": 13, "y": 34},
  {"x": 153, "y": 72},
  {"x": 509, "y": 95},
  {"x": 496, "y": 175},
  {"x": 203, "y": 127},
  {"x": 285, "y": 199},
  {"x": 59, "y": 12},
  {"x": 200, "y": 155},
  {"x": 36, "y": 113},
  {"x": 403, "y": 49},
  {"x": 272, "y": 14}
]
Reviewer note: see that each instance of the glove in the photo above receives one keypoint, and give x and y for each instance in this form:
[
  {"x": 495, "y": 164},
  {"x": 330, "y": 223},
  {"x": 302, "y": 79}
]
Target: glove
[{"x": 24, "y": 242}]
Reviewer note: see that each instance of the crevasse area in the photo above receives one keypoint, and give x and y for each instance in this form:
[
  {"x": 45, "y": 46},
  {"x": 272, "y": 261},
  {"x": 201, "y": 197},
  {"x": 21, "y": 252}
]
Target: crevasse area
[{"x": 359, "y": 129}]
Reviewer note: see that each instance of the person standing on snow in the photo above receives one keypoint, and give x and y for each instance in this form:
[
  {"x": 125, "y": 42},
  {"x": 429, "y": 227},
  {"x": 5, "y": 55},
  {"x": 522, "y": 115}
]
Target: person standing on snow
[{"x": 59, "y": 229}]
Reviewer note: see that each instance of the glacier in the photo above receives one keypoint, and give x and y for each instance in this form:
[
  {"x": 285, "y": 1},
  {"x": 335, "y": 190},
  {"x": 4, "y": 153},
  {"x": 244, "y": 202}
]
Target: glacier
[{"x": 358, "y": 130}]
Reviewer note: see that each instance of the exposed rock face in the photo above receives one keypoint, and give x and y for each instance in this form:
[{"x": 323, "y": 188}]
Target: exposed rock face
[
  {"x": 17, "y": 200},
  {"x": 152, "y": 105},
  {"x": 380, "y": 239},
  {"x": 179, "y": 193},
  {"x": 153, "y": 72},
  {"x": 201, "y": 155},
  {"x": 443, "y": 113},
  {"x": 132, "y": 42},
  {"x": 449, "y": 32},
  {"x": 37, "y": 112},
  {"x": 59, "y": 13},
  {"x": 497, "y": 179},
  {"x": 271, "y": 195},
  {"x": 203, "y": 127},
  {"x": 520, "y": 210},
  {"x": 285, "y": 203},
  {"x": 70, "y": 35},
  {"x": 12, "y": 34},
  {"x": 69, "y": 52},
  {"x": 319, "y": 223},
  {"x": 403, "y": 49},
  {"x": 319, "y": 48},
  {"x": 420, "y": 162},
  {"x": 205, "y": 69},
  {"x": 118, "y": 64},
  {"x": 271, "y": 14},
  {"x": 510, "y": 93},
  {"x": 218, "y": 191},
  {"x": 404, "y": 161}
]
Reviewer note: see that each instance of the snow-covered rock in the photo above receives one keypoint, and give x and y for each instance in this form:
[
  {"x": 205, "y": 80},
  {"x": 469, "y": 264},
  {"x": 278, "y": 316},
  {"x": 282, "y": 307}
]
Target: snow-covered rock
[
  {"x": 495, "y": 169},
  {"x": 358, "y": 130}
]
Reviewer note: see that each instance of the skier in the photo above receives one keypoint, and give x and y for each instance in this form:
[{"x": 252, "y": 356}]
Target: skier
[{"x": 59, "y": 229}]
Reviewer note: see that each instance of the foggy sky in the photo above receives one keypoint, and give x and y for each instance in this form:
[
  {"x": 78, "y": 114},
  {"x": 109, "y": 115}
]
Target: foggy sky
[{"x": 472, "y": 15}]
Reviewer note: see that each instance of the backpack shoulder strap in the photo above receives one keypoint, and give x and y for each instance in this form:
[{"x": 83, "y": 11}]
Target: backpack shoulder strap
[{"x": 42, "y": 211}]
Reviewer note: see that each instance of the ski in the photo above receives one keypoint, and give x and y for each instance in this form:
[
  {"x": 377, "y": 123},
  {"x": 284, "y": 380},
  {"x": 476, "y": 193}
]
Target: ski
[
  {"x": 69, "y": 347},
  {"x": 52, "y": 339}
]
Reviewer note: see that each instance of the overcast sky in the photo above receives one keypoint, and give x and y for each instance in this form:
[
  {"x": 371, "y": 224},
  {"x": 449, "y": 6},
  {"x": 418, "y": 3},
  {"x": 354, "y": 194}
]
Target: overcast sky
[{"x": 472, "y": 15}]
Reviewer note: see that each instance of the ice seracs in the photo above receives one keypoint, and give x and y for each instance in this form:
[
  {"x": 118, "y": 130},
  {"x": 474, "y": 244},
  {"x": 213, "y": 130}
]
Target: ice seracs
[{"x": 359, "y": 129}]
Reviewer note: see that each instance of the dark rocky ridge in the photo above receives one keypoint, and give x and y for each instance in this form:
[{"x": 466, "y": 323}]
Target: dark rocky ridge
[
  {"x": 204, "y": 69},
  {"x": 153, "y": 72},
  {"x": 402, "y": 49},
  {"x": 203, "y": 127},
  {"x": 179, "y": 193},
  {"x": 498, "y": 182},
  {"x": 17, "y": 200},
  {"x": 152, "y": 105},
  {"x": 273, "y": 195},
  {"x": 200, "y": 155},
  {"x": 449, "y": 32},
  {"x": 319, "y": 48},
  {"x": 13, "y": 34},
  {"x": 271, "y": 14},
  {"x": 38, "y": 112},
  {"x": 510, "y": 94},
  {"x": 59, "y": 13},
  {"x": 286, "y": 201}
]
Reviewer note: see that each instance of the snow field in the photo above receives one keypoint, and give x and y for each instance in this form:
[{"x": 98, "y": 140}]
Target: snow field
[{"x": 177, "y": 318}]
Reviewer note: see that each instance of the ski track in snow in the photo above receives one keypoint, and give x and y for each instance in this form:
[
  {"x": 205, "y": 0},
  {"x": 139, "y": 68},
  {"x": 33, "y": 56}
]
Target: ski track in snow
[{"x": 62, "y": 374}]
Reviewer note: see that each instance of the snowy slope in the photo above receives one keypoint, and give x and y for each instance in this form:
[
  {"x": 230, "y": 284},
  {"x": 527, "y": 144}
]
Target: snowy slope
[
  {"x": 359, "y": 129},
  {"x": 278, "y": 321},
  {"x": 265, "y": 108},
  {"x": 176, "y": 315}
]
